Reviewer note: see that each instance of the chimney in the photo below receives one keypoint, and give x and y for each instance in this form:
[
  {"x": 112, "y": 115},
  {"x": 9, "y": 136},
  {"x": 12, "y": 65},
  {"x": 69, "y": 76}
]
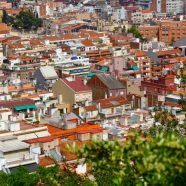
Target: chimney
[
  {"x": 141, "y": 116},
  {"x": 126, "y": 121},
  {"x": 84, "y": 81},
  {"x": 99, "y": 107},
  {"x": 60, "y": 99},
  {"x": 34, "y": 114},
  {"x": 86, "y": 103},
  {"x": 105, "y": 95}
]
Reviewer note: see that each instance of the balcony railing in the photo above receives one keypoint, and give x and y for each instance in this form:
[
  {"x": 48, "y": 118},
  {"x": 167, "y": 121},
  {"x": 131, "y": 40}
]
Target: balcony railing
[{"x": 111, "y": 115}]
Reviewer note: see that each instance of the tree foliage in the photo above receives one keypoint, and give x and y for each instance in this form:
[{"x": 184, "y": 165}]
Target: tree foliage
[
  {"x": 135, "y": 32},
  {"x": 5, "y": 18},
  {"x": 24, "y": 20},
  {"x": 52, "y": 176},
  {"x": 166, "y": 123},
  {"x": 156, "y": 160}
]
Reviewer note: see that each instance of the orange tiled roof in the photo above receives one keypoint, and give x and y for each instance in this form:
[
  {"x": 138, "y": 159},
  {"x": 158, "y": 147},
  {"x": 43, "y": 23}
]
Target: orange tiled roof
[
  {"x": 70, "y": 155},
  {"x": 32, "y": 97},
  {"x": 104, "y": 62},
  {"x": 113, "y": 102},
  {"x": 87, "y": 43},
  {"x": 173, "y": 105},
  {"x": 91, "y": 34},
  {"x": 4, "y": 27},
  {"x": 132, "y": 63},
  {"x": 51, "y": 38},
  {"x": 166, "y": 52},
  {"x": 26, "y": 58},
  {"x": 140, "y": 54},
  {"x": 68, "y": 36},
  {"x": 13, "y": 11},
  {"x": 72, "y": 26},
  {"x": 119, "y": 37},
  {"x": 41, "y": 140},
  {"x": 25, "y": 87},
  {"x": 90, "y": 108},
  {"x": 15, "y": 45},
  {"x": 4, "y": 31},
  {"x": 46, "y": 161},
  {"x": 57, "y": 131},
  {"x": 36, "y": 42},
  {"x": 169, "y": 66},
  {"x": 146, "y": 11}
]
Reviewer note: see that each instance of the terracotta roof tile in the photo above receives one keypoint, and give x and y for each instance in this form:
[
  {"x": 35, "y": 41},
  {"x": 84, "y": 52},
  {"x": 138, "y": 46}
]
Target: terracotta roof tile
[
  {"x": 16, "y": 102},
  {"x": 36, "y": 42},
  {"x": 140, "y": 54},
  {"x": 173, "y": 104},
  {"x": 113, "y": 102},
  {"x": 87, "y": 43},
  {"x": 132, "y": 63},
  {"x": 41, "y": 140},
  {"x": 46, "y": 161},
  {"x": 70, "y": 155},
  {"x": 4, "y": 27},
  {"x": 54, "y": 131},
  {"x": 90, "y": 108},
  {"x": 146, "y": 11},
  {"x": 4, "y": 31},
  {"x": 26, "y": 58},
  {"x": 72, "y": 26},
  {"x": 13, "y": 11},
  {"x": 76, "y": 84},
  {"x": 166, "y": 52}
]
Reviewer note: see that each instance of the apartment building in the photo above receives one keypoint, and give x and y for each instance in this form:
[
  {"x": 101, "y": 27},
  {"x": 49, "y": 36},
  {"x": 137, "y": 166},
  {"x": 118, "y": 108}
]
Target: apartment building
[
  {"x": 166, "y": 31},
  {"x": 156, "y": 90},
  {"x": 171, "y": 31},
  {"x": 149, "y": 32},
  {"x": 143, "y": 3},
  {"x": 168, "y": 6},
  {"x": 141, "y": 16},
  {"x": 72, "y": 90}
]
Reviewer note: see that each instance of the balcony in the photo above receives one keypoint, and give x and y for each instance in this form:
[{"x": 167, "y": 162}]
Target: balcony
[
  {"x": 84, "y": 61},
  {"x": 110, "y": 115}
]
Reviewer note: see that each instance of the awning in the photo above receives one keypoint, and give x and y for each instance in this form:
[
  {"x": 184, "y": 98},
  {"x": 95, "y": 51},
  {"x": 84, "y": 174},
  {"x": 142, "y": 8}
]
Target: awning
[
  {"x": 135, "y": 68},
  {"x": 91, "y": 74},
  {"x": 24, "y": 107},
  {"x": 104, "y": 69}
]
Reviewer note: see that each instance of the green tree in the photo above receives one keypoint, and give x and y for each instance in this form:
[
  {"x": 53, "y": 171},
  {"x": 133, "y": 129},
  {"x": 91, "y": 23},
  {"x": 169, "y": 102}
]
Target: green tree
[
  {"x": 135, "y": 32},
  {"x": 166, "y": 123},
  {"x": 172, "y": 40},
  {"x": 52, "y": 176},
  {"x": 139, "y": 160},
  {"x": 5, "y": 17},
  {"x": 123, "y": 29},
  {"x": 25, "y": 20},
  {"x": 19, "y": 178}
]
